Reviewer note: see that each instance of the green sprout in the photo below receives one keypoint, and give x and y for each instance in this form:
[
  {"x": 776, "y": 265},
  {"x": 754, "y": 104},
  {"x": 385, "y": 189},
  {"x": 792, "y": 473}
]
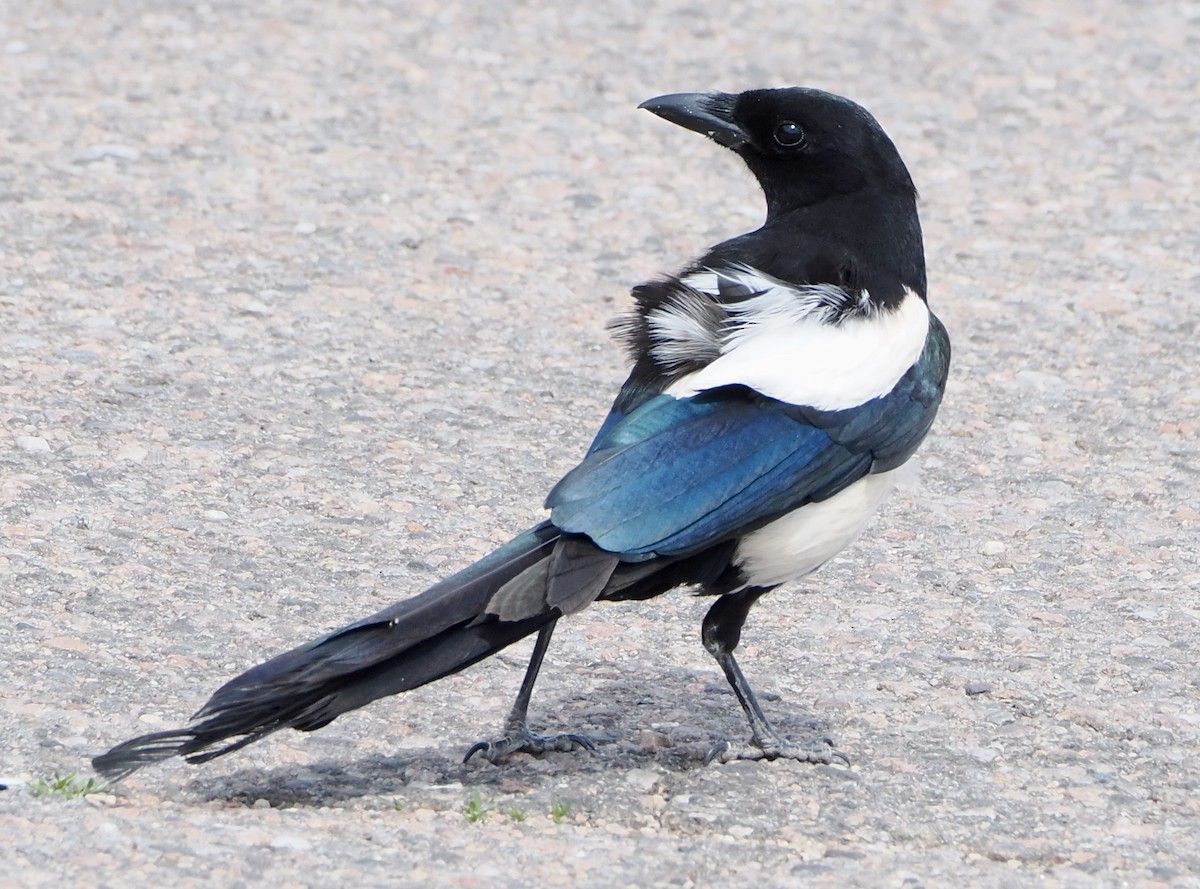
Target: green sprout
[
  {"x": 476, "y": 810},
  {"x": 67, "y": 786}
]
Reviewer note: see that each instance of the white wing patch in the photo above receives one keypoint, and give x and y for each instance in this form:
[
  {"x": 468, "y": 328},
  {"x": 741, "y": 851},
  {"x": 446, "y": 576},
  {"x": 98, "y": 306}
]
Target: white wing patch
[{"x": 798, "y": 345}]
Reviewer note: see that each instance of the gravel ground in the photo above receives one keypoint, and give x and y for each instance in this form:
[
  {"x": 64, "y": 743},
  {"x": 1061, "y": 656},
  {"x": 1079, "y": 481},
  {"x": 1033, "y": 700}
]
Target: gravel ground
[{"x": 302, "y": 307}]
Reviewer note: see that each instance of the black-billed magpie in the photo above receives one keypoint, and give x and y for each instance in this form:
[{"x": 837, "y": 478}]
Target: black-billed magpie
[{"x": 778, "y": 382}]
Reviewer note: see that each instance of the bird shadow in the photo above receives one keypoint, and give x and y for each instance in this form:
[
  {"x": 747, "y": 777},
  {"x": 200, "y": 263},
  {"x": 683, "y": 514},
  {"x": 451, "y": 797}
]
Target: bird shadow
[{"x": 627, "y": 727}]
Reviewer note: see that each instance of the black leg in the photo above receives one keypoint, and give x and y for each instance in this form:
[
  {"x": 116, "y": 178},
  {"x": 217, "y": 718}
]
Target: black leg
[
  {"x": 517, "y": 737},
  {"x": 722, "y": 631}
]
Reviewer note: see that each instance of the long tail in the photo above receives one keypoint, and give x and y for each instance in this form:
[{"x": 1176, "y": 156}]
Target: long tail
[{"x": 441, "y": 631}]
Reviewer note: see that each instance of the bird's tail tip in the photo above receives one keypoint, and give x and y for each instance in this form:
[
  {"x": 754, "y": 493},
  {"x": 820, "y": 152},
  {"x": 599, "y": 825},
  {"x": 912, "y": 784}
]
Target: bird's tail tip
[{"x": 125, "y": 759}]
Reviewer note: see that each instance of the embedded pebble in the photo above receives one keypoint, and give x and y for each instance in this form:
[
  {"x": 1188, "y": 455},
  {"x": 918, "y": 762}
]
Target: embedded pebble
[{"x": 32, "y": 443}]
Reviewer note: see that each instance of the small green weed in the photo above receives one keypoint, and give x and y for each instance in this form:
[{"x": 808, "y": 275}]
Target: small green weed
[
  {"x": 515, "y": 814},
  {"x": 67, "y": 786},
  {"x": 559, "y": 810},
  {"x": 476, "y": 811}
]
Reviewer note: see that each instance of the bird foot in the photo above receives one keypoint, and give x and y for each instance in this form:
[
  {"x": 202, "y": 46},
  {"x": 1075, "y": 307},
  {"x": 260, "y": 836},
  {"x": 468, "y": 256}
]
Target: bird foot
[
  {"x": 819, "y": 751},
  {"x": 522, "y": 740}
]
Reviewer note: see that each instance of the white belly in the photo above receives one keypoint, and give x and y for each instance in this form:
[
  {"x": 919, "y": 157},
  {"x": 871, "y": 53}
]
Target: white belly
[{"x": 806, "y": 538}]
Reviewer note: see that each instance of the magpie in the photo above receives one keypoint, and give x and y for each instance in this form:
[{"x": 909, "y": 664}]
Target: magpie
[{"x": 778, "y": 383}]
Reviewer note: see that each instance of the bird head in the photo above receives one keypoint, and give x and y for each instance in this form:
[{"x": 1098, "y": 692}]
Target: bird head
[{"x": 803, "y": 145}]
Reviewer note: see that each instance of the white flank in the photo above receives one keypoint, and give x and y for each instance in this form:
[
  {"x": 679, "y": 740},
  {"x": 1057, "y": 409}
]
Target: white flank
[
  {"x": 782, "y": 344},
  {"x": 806, "y": 538}
]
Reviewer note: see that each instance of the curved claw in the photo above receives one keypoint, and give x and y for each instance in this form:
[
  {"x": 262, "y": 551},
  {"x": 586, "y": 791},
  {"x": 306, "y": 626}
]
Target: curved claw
[
  {"x": 718, "y": 749},
  {"x": 477, "y": 747},
  {"x": 580, "y": 741}
]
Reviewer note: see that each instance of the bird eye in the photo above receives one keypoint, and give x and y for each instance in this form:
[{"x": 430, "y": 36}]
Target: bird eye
[{"x": 789, "y": 134}]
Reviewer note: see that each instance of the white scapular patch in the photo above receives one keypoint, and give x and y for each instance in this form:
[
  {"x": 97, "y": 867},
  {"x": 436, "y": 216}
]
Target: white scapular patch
[
  {"x": 806, "y": 538},
  {"x": 800, "y": 345},
  {"x": 698, "y": 321},
  {"x": 760, "y": 294},
  {"x": 686, "y": 329}
]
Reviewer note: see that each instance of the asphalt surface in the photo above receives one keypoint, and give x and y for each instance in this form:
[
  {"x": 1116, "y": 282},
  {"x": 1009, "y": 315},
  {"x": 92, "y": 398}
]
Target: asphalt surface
[{"x": 302, "y": 307}]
